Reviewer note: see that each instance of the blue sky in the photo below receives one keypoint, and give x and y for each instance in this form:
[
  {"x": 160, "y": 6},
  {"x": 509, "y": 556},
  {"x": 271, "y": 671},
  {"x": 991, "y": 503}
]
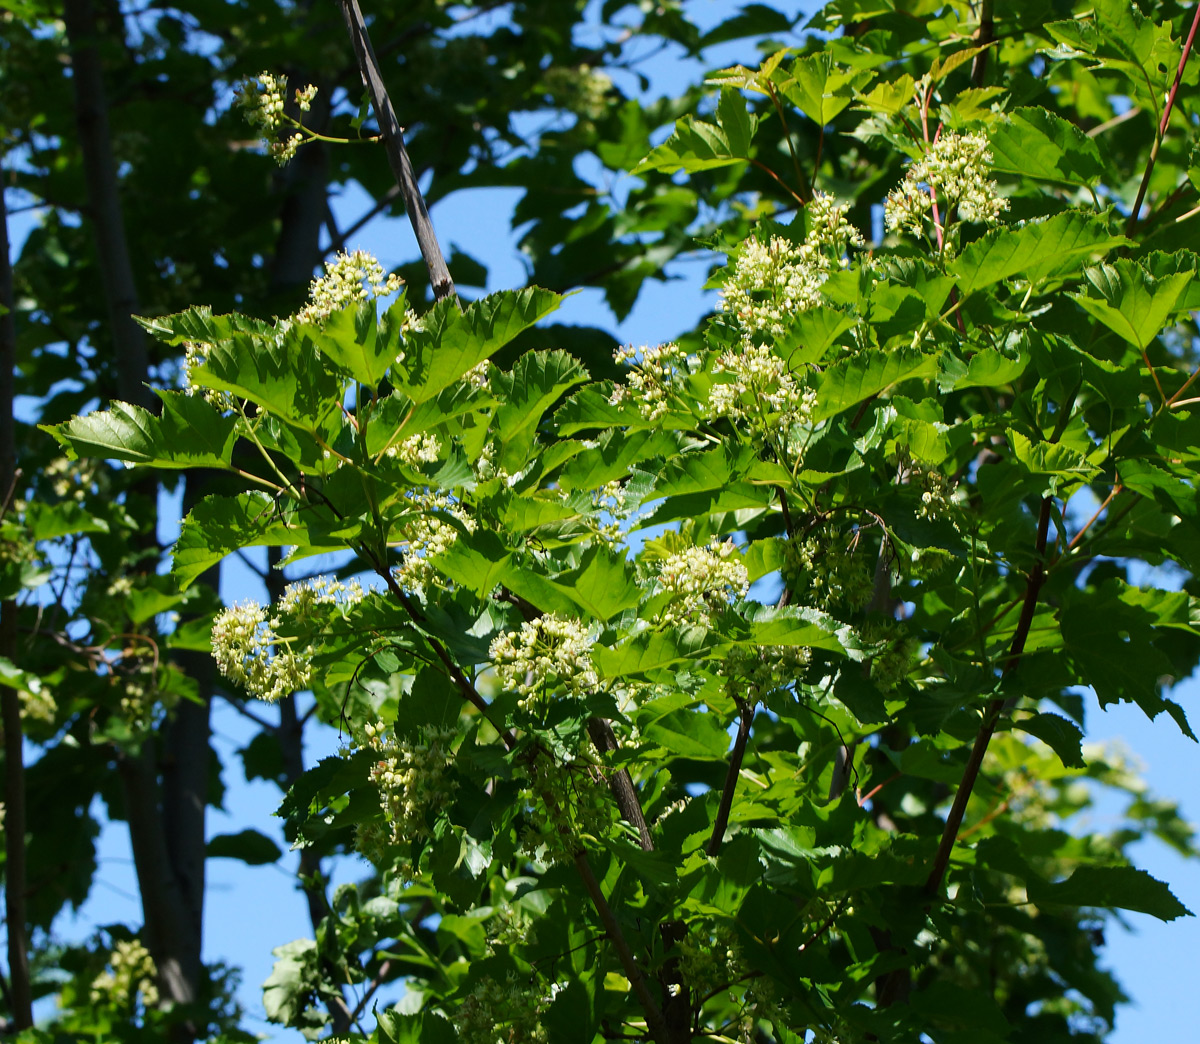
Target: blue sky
[{"x": 251, "y": 910}]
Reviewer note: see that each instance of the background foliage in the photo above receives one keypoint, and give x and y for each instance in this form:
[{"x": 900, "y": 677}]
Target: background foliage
[{"x": 1018, "y": 378}]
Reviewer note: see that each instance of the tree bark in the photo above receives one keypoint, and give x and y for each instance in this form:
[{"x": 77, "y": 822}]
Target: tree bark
[
  {"x": 10, "y": 700},
  {"x": 104, "y": 204},
  {"x": 166, "y": 819}
]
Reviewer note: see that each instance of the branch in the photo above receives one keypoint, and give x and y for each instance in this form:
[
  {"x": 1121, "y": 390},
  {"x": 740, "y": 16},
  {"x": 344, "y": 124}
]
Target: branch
[
  {"x": 21, "y": 1004},
  {"x": 991, "y": 716},
  {"x": 654, "y": 1016},
  {"x": 745, "y": 717},
  {"x": 1162, "y": 127},
  {"x": 985, "y": 35},
  {"x": 393, "y": 139},
  {"x": 620, "y": 783},
  {"x": 104, "y": 204}
]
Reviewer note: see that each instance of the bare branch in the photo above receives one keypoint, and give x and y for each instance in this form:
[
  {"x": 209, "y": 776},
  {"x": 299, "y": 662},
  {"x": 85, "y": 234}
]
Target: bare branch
[{"x": 393, "y": 139}]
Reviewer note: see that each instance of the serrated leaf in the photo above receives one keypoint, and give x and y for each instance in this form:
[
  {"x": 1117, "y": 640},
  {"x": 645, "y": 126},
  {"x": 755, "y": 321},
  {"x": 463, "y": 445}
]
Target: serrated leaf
[
  {"x": 687, "y": 734},
  {"x": 1112, "y": 642},
  {"x": 284, "y": 376},
  {"x": 1132, "y": 303},
  {"x": 850, "y": 382},
  {"x": 1058, "y": 733},
  {"x": 888, "y": 99},
  {"x": 1036, "y": 143},
  {"x": 360, "y": 343},
  {"x": 816, "y": 86},
  {"x": 1111, "y": 887},
  {"x": 1036, "y": 251},
  {"x": 696, "y": 145},
  {"x": 218, "y": 526},
  {"x": 537, "y": 382},
  {"x": 189, "y": 434},
  {"x": 452, "y": 339},
  {"x": 652, "y": 650}
]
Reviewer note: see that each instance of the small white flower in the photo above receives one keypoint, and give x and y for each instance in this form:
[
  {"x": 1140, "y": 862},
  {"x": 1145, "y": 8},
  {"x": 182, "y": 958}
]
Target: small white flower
[
  {"x": 348, "y": 278},
  {"x": 249, "y": 653},
  {"x": 546, "y": 653},
  {"x": 653, "y": 380},
  {"x": 702, "y": 579},
  {"x": 422, "y": 448},
  {"x": 955, "y": 170}
]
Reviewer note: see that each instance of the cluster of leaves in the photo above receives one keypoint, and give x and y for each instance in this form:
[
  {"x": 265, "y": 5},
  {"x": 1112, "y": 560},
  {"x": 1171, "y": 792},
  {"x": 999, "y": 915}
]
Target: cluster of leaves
[
  {"x": 909, "y": 485},
  {"x": 906, "y": 471}
]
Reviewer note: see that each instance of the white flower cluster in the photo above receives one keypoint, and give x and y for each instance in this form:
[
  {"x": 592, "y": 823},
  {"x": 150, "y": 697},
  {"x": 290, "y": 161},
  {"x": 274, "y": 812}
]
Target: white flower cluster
[
  {"x": 502, "y": 1013},
  {"x": 195, "y": 353},
  {"x": 263, "y": 100},
  {"x": 348, "y": 278},
  {"x": 422, "y": 448},
  {"x": 412, "y": 778},
  {"x": 652, "y": 381},
  {"x": 132, "y": 974},
  {"x": 579, "y": 88},
  {"x": 248, "y": 653},
  {"x": 426, "y": 535},
  {"x": 830, "y": 573},
  {"x": 546, "y": 653},
  {"x": 955, "y": 171},
  {"x": 752, "y": 674},
  {"x": 702, "y": 580},
  {"x": 568, "y": 804},
  {"x": 937, "y": 493},
  {"x": 773, "y": 281},
  {"x": 759, "y": 378},
  {"x": 306, "y": 602},
  {"x": 249, "y": 650}
]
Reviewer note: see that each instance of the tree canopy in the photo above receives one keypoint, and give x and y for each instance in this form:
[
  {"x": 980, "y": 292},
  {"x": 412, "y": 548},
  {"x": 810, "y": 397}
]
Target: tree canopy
[{"x": 727, "y": 688}]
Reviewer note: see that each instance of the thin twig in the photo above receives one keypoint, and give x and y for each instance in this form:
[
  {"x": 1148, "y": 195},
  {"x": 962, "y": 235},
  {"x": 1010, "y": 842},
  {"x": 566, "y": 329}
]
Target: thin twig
[
  {"x": 1162, "y": 126},
  {"x": 376, "y": 982},
  {"x": 991, "y": 715},
  {"x": 1099, "y": 511}
]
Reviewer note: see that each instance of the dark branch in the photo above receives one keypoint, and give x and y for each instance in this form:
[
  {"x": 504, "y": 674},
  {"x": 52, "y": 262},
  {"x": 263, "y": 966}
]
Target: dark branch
[
  {"x": 393, "y": 139},
  {"x": 745, "y": 717}
]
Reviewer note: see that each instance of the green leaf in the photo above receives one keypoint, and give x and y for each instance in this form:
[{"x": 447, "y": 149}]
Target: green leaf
[
  {"x": 1037, "y": 251},
  {"x": 251, "y": 847},
  {"x": 1110, "y": 887},
  {"x": 537, "y": 382},
  {"x": 51, "y": 521},
  {"x": 358, "y": 342},
  {"x": 1065, "y": 466},
  {"x": 1058, "y": 733},
  {"x": 189, "y": 434},
  {"x": 1112, "y": 641},
  {"x": 603, "y": 585},
  {"x": 1036, "y": 143},
  {"x": 652, "y": 650},
  {"x": 218, "y": 526},
  {"x": 689, "y": 734},
  {"x": 452, "y": 339},
  {"x": 696, "y": 145},
  {"x": 817, "y": 87},
  {"x": 850, "y": 382},
  {"x": 477, "y": 561},
  {"x": 284, "y": 376},
  {"x": 991, "y": 368},
  {"x": 790, "y": 625},
  {"x": 888, "y": 99},
  {"x": 1132, "y": 303}
]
